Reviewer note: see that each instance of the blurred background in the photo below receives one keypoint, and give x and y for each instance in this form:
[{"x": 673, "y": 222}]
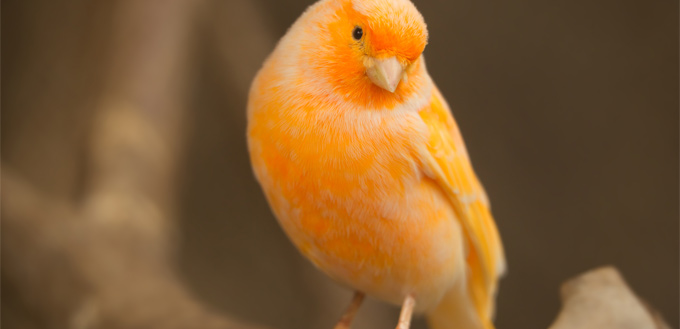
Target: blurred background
[{"x": 128, "y": 199}]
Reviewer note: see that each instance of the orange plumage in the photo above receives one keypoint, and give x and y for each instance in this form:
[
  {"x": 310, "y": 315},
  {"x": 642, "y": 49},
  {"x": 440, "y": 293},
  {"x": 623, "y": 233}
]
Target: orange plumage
[{"x": 364, "y": 166}]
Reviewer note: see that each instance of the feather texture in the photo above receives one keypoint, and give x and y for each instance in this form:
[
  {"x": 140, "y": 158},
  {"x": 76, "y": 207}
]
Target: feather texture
[
  {"x": 374, "y": 187},
  {"x": 446, "y": 160}
]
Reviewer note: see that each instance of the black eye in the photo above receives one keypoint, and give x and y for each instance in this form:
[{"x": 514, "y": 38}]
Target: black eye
[{"x": 357, "y": 33}]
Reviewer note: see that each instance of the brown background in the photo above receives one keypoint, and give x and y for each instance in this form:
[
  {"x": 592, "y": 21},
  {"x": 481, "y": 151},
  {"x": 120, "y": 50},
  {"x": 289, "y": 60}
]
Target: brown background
[{"x": 569, "y": 110}]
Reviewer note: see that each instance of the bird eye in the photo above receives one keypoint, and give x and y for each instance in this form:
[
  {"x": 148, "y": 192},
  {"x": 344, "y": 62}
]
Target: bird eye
[{"x": 357, "y": 33}]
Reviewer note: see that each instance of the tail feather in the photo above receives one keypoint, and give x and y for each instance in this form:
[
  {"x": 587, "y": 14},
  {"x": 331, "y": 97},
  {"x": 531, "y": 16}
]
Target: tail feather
[
  {"x": 469, "y": 304},
  {"x": 457, "y": 311}
]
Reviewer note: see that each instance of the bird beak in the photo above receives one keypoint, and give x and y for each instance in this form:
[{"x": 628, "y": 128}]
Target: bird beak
[{"x": 386, "y": 73}]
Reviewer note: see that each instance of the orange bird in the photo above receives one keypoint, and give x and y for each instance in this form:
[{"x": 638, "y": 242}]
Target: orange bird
[{"x": 365, "y": 168}]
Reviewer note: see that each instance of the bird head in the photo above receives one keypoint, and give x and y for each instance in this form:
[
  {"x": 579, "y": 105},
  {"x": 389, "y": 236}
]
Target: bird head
[
  {"x": 367, "y": 50},
  {"x": 388, "y": 37}
]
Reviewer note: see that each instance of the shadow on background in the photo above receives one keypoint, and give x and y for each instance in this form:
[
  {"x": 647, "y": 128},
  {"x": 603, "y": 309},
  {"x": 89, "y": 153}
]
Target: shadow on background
[{"x": 569, "y": 110}]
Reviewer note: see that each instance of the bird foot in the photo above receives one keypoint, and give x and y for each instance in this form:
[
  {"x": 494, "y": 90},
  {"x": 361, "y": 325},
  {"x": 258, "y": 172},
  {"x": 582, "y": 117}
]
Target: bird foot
[
  {"x": 406, "y": 313},
  {"x": 347, "y": 318}
]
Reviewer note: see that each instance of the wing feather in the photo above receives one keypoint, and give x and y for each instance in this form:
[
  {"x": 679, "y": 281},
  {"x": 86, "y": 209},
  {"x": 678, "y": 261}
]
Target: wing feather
[{"x": 446, "y": 160}]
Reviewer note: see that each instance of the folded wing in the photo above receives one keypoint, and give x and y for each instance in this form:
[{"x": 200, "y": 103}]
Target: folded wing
[{"x": 446, "y": 161}]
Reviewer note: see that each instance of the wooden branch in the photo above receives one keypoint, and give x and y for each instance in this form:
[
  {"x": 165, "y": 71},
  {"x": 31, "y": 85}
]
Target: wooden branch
[
  {"x": 137, "y": 132},
  {"x": 601, "y": 299},
  {"x": 78, "y": 272},
  {"x": 105, "y": 262}
]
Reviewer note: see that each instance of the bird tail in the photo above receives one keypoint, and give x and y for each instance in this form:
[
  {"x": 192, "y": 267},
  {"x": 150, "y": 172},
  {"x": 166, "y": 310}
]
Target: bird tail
[{"x": 467, "y": 305}]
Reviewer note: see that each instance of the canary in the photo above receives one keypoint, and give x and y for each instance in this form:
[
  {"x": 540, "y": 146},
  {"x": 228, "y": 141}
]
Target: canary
[{"x": 365, "y": 169}]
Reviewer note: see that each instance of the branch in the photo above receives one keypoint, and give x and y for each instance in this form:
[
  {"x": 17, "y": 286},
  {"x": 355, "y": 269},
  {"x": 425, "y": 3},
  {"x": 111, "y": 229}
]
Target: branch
[
  {"x": 105, "y": 262},
  {"x": 601, "y": 299}
]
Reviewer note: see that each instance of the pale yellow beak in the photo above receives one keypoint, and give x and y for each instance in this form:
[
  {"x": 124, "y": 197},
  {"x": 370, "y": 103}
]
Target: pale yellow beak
[{"x": 386, "y": 73}]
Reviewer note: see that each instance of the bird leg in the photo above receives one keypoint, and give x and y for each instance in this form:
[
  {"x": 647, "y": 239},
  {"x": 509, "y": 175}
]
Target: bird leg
[
  {"x": 351, "y": 311},
  {"x": 406, "y": 313}
]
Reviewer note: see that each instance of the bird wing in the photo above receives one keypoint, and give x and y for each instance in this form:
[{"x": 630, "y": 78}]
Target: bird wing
[{"x": 446, "y": 161}]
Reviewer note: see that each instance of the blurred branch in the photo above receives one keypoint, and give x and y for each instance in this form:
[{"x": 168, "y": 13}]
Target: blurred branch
[
  {"x": 601, "y": 299},
  {"x": 136, "y": 132},
  {"x": 104, "y": 263},
  {"x": 74, "y": 272}
]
